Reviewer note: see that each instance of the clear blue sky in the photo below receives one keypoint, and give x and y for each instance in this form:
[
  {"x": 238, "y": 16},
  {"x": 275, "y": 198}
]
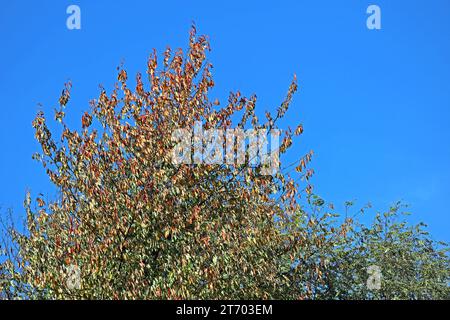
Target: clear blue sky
[{"x": 375, "y": 104}]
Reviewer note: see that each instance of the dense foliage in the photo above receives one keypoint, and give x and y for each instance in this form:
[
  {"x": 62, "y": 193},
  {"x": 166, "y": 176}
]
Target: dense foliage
[{"x": 136, "y": 226}]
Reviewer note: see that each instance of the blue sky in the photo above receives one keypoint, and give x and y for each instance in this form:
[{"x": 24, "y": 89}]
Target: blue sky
[{"x": 375, "y": 104}]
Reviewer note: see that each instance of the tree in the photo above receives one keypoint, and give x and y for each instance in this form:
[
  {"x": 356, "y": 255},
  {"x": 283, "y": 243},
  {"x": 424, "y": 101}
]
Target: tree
[
  {"x": 131, "y": 224},
  {"x": 410, "y": 265}
]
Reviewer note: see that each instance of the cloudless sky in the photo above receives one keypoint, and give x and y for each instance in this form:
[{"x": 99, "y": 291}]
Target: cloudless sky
[{"x": 375, "y": 104}]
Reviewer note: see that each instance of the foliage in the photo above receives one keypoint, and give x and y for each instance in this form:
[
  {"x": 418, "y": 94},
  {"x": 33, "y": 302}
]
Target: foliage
[
  {"x": 139, "y": 227},
  {"x": 411, "y": 264}
]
